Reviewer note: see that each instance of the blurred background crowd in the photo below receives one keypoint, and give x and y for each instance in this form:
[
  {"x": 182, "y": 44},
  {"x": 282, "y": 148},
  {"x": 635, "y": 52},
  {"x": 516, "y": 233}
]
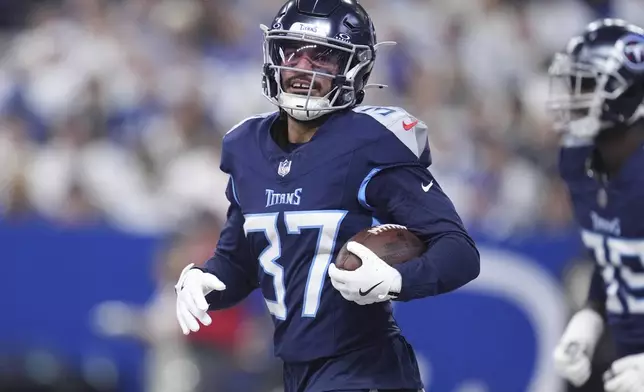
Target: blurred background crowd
[
  {"x": 114, "y": 110},
  {"x": 112, "y": 113}
]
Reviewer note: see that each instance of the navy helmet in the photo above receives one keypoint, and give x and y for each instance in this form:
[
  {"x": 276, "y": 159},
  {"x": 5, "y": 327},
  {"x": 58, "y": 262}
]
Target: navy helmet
[
  {"x": 597, "y": 84},
  {"x": 339, "y": 39}
]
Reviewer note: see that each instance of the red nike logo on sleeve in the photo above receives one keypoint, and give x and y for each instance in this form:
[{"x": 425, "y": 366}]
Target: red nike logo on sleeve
[{"x": 409, "y": 126}]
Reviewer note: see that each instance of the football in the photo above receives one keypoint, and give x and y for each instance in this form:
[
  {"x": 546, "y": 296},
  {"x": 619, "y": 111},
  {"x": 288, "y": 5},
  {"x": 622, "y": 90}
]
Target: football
[{"x": 392, "y": 243}]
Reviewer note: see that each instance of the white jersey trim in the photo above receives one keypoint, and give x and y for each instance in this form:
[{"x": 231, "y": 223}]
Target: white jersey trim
[{"x": 408, "y": 129}]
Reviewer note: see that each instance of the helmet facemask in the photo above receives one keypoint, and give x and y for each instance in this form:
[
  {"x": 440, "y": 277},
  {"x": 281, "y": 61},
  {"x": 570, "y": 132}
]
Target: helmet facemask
[
  {"x": 580, "y": 92},
  {"x": 309, "y": 76}
]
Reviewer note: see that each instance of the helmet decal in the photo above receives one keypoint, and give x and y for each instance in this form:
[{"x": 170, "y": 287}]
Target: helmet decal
[{"x": 634, "y": 52}]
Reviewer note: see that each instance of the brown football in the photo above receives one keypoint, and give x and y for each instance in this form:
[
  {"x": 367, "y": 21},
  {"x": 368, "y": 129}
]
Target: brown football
[{"x": 392, "y": 243}]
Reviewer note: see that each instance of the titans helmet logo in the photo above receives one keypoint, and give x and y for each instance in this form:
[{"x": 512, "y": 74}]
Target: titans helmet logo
[{"x": 634, "y": 52}]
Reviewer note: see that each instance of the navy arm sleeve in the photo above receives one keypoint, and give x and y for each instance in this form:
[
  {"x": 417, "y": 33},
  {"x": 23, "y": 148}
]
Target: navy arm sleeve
[
  {"x": 232, "y": 262},
  {"x": 410, "y": 196}
]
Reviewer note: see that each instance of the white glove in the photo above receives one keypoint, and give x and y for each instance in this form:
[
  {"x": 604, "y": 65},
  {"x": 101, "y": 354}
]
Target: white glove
[
  {"x": 192, "y": 288},
  {"x": 573, "y": 354},
  {"x": 373, "y": 281},
  {"x": 625, "y": 375}
]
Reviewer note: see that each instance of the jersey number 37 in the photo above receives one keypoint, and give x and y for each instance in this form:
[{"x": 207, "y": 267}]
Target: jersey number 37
[{"x": 327, "y": 223}]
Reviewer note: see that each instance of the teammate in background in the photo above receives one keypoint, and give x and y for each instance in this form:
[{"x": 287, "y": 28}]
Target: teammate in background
[
  {"x": 305, "y": 179},
  {"x": 602, "y": 161}
]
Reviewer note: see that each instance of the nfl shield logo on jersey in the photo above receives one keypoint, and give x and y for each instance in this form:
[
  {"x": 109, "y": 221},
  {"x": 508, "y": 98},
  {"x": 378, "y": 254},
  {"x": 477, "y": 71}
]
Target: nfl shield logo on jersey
[{"x": 284, "y": 168}]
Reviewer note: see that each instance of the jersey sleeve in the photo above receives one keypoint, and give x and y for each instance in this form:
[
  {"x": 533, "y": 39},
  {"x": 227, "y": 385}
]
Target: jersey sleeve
[
  {"x": 410, "y": 196},
  {"x": 232, "y": 261}
]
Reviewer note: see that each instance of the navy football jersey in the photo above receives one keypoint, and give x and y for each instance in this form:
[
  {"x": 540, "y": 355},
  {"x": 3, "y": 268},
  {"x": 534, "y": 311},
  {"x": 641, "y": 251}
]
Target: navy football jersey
[
  {"x": 298, "y": 209},
  {"x": 291, "y": 212},
  {"x": 611, "y": 216}
]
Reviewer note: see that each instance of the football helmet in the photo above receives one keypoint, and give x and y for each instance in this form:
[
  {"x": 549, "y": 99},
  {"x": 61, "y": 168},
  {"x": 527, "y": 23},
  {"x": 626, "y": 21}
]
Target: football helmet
[
  {"x": 314, "y": 46},
  {"x": 597, "y": 84}
]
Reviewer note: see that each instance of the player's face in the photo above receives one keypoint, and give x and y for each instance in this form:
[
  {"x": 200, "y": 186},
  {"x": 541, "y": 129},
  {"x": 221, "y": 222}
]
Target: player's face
[{"x": 309, "y": 57}]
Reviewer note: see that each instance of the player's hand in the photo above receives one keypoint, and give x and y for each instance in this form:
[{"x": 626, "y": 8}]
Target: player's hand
[
  {"x": 572, "y": 363},
  {"x": 573, "y": 354},
  {"x": 373, "y": 281},
  {"x": 192, "y": 288},
  {"x": 625, "y": 375}
]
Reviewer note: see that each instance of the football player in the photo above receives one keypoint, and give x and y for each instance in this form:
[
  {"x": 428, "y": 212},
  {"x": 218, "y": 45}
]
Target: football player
[
  {"x": 305, "y": 179},
  {"x": 602, "y": 162}
]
